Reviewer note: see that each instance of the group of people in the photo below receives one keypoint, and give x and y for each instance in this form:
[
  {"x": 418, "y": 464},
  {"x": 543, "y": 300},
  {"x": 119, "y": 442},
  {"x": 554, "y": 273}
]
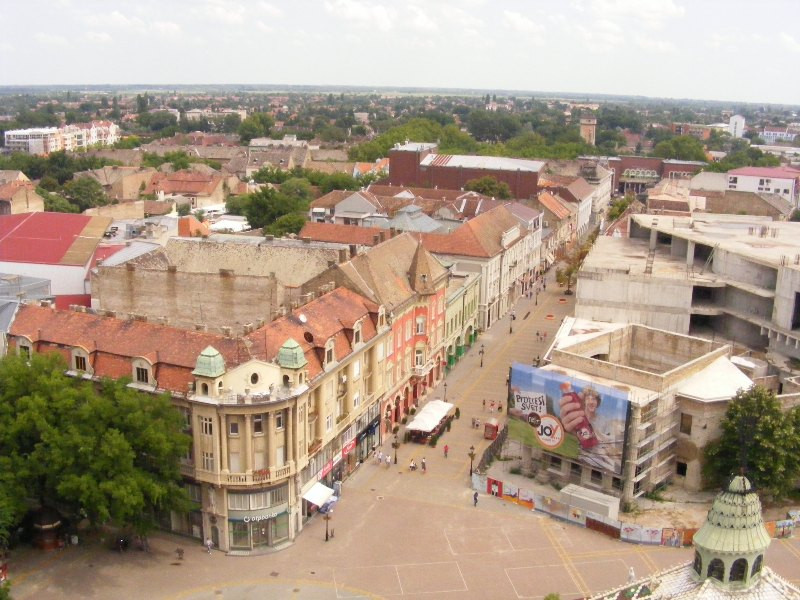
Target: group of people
[
  {"x": 492, "y": 405},
  {"x": 413, "y": 465},
  {"x": 383, "y": 459}
]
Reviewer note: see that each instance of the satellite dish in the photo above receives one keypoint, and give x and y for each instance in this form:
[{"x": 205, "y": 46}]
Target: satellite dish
[{"x": 303, "y": 318}]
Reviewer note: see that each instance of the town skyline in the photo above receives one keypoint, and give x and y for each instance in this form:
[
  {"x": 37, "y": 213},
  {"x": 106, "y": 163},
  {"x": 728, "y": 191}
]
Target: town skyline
[{"x": 657, "y": 49}]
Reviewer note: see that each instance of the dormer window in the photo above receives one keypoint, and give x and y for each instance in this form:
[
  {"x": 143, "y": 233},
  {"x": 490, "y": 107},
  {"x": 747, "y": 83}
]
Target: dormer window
[
  {"x": 24, "y": 349},
  {"x": 142, "y": 371},
  {"x": 329, "y": 352},
  {"x": 357, "y": 334}
]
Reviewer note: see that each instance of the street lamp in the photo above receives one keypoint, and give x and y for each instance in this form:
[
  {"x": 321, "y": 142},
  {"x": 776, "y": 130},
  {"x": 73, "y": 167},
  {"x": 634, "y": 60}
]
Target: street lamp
[
  {"x": 445, "y": 391},
  {"x": 327, "y": 517},
  {"x": 395, "y": 445},
  {"x": 471, "y": 455},
  {"x": 481, "y": 353}
]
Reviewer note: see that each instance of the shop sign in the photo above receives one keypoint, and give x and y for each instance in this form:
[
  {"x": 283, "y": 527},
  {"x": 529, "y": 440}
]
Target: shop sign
[
  {"x": 256, "y": 518},
  {"x": 370, "y": 428},
  {"x": 337, "y": 458},
  {"x": 326, "y": 469},
  {"x": 348, "y": 447}
]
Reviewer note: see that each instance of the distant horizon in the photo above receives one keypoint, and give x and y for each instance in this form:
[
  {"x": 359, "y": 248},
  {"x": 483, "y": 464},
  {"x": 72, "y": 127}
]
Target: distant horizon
[
  {"x": 703, "y": 50},
  {"x": 167, "y": 88}
]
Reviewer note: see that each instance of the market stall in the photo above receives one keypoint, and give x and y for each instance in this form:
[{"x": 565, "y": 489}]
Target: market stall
[{"x": 430, "y": 420}]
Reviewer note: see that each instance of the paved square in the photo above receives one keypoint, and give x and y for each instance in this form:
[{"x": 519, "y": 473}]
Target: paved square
[
  {"x": 477, "y": 541},
  {"x": 528, "y": 538},
  {"x": 604, "y": 574},
  {"x": 537, "y": 582},
  {"x": 381, "y": 580},
  {"x": 431, "y": 578}
]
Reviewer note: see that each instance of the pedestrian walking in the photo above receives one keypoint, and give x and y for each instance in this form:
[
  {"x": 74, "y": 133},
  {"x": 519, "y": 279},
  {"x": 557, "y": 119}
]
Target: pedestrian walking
[
  {"x": 209, "y": 545},
  {"x": 446, "y": 450},
  {"x": 491, "y": 407},
  {"x": 484, "y": 404},
  {"x": 499, "y": 407},
  {"x": 537, "y": 334},
  {"x": 424, "y": 466},
  {"x": 380, "y": 457},
  {"x": 475, "y": 499},
  {"x": 388, "y": 461}
]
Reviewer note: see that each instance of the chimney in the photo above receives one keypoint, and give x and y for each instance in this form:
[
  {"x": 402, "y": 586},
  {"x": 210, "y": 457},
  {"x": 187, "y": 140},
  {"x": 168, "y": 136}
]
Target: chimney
[
  {"x": 342, "y": 255},
  {"x": 353, "y": 250}
]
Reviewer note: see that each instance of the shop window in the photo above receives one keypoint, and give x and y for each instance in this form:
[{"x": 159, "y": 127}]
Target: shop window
[
  {"x": 238, "y": 501},
  {"x": 280, "y": 528},
  {"x": 239, "y": 534},
  {"x": 259, "y": 500},
  {"x": 258, "y": 424},
  {"x": 686, "y": 424},
  {"x": 681, "y": 468}
]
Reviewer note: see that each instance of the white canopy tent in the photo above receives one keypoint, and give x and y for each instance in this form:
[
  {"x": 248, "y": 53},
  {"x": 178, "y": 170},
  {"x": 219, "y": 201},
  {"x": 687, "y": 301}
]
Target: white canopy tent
[
  {"x": 430, "y": 416},
  {"x": 319, "y": 494}
]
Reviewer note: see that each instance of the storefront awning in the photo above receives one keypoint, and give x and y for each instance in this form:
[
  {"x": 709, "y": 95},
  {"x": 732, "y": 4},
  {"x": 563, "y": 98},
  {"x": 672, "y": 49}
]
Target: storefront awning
[
  {"x": 430, "y": 416},
  {"x": 319, "y": 494}
]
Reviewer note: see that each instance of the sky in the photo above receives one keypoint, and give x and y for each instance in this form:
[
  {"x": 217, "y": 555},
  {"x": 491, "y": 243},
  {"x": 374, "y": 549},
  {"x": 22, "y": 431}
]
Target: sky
[{"x": 731, "y": 50}]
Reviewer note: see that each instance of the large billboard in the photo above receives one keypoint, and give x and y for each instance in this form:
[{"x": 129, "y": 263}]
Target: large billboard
[{"x": 577, "y": 419}]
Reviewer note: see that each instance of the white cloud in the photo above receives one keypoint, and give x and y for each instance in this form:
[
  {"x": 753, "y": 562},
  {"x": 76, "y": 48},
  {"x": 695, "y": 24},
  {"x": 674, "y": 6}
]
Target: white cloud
[
  {"x": 654, "y": 45},
  {"x": 362, "y": 13},
  {"x": 270, "y": 9},
  {"x": 100, "y": 37},
  {"x": 601, "y": 36},
  {"x": 519, "y": 22},
  {"x": 264, "y": 27},
  {"x": 788, "y": 42},
  {"x": 114, "y": 19},
  {"x": 421, "y": 21},
  {"x": 222, "y": 11},
  {"x": 651, "y": 13},
  {"x": 50, "y": 39},
  {"x": 166, "y": 28}
]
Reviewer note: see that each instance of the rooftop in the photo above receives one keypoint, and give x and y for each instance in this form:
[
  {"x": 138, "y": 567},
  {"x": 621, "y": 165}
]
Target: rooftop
[{"x": 495, "y": 163}]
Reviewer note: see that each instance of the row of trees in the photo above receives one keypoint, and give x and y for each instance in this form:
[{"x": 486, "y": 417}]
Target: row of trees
[{"x": 99, "y": 453}]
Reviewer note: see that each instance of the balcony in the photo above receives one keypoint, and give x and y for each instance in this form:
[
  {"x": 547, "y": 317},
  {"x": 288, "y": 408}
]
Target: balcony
[
  {"x": 422, "y": 371},
  {"x": 187, "y": 469},
  {"x": 257, "y": 477}
]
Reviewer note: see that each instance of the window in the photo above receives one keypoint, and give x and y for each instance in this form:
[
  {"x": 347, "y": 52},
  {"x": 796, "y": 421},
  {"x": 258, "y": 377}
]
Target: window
[
  {"x": 206, "y": 426},
  {"x": 279, "y": 495},
  {"x": 575, "y": 469},
  {"x": 357, "y": 334},
  {"x": 195, "y": 492},
  {"x": 238, "y": 501},
  {"x": 142, "y": 375},
  {"x": 356, "y": 400},
  {"x": 686, "y": 423},
  {"x": 681, "y": 468},
  {"x": 389, "y": 344},
  {"x": 24, "y": 351},
  {"x": 616, "y": 483},
  {"x": 80, "y": 363},
  {"x": 408, "y": 330},
  {"x": 597, "y": 477},
  {"x": 279, "y": 420},
  {"x": 420, "y": 326},
  {"x": 716, "y": 569},
  {"x": 356, "y": 369},
  {"x": 555, "y": 463},
  {"x": 254, "y": 378},
  {"x": 379, "y": 352},
  {"x": 208, "y": 461},
  {"x": 698, "y": 563},
  {"x": 258, "y": 423},
  {"x": 757, "y": 565},
  {"x": 280, "y": 456},
  {"x": 738, "y": 570},
  {"x": 419, "y": 357},
  {"x": 259, "y": 500},
  {"x": 329, "y": 352},
  {"x": 328, "y": 422},
  {"x": 233, "y": 427}
]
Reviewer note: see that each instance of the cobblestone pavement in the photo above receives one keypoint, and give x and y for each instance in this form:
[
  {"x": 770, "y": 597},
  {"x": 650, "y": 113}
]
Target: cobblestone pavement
[{"x": 397, "y": 534}]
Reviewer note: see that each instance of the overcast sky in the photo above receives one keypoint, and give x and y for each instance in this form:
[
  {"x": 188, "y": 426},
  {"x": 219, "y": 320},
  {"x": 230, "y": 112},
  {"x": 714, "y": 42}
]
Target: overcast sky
[{"x": 708, "y": 49}]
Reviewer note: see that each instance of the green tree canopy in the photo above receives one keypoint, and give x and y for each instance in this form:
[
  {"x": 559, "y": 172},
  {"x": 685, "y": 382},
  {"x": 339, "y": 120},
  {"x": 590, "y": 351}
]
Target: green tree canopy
[
  {"x": 755, "y": 430},
  {"x": 489, "y": 186},
  {"x": 85, "y": 192},
  {"x": 55, "y": 203},
  {"x": 286, "y": 224},
  {"x": 266, "y": 206},
  {"x": 682, "y": 147},
  {"x": 255, "y": 126},
  {"x": 105, "y": 453},
  {"x": 297, "y": 188}
]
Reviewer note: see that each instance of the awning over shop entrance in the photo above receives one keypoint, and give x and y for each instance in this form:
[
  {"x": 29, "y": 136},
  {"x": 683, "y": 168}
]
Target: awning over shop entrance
[{"x": 319, "y": 494}]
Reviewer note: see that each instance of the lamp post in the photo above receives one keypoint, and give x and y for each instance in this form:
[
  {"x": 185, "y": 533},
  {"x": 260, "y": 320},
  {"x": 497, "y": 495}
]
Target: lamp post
[
  {"x": 471, "y": 455},
  {"x": 481, "y": 353},
  {"x": 327, "y": 517},
  {"x": 445, "y": 391},
  {"x": 395, "y": 445}
]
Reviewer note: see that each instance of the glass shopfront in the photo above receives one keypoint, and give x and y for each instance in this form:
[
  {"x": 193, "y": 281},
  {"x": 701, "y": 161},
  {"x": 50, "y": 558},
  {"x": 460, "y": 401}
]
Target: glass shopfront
[{"x": 258, "y": 518}]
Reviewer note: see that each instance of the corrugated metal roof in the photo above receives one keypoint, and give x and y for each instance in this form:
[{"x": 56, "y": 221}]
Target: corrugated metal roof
[{"x": 498, "y": 163}]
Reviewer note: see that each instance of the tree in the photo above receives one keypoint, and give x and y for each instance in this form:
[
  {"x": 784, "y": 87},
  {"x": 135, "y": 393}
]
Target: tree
[
  {"x": 489, "y": 186},
  {"x": 231, "y": 123},
  {"x": 682, "y": 147},
  {"x": 85, "y": 192},
  {"x": 106, "y": 453},
  {"x": 755, "y": 430},
  {"x": 237, "y": 205},
  {"x": 297, "y": 188},
  {"x": 567, "y": 274},
  {"x": 267, "y": 205},
  {"x": 291, "y": 223},
  {"x": 55, "y": 203},
  {"x": 183, "y": 210},
  {"x": 255, "y": 126}
]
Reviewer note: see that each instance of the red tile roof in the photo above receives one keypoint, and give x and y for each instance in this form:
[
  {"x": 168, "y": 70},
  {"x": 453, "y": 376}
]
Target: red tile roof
[
  {"x": 552, "y": 204},
  {"x": 341, "y": 234},
  {"x": 184, "y": 182},
  {"x": 479, "y": 237},
  {"x": 50, "y": 238}
]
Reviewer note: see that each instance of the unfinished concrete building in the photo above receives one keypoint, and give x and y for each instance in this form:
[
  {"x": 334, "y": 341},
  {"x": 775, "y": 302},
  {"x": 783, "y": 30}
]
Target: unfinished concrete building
[
  {"x": 669, "y": 380},
  {"x": 717, "y": 276},
  {"x": 229, "y": 283}
]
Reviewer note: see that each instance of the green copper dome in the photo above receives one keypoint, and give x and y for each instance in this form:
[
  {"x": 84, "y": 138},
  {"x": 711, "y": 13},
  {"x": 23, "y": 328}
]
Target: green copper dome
[
  {"x": 291, "y": 355},
  {"x": 209, "y": 364},
  {"x": 734, "y": 524}
]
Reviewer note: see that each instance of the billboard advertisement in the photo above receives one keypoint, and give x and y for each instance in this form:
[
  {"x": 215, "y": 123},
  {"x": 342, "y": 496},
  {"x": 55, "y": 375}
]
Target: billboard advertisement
[{"x": 577, "y": 419}]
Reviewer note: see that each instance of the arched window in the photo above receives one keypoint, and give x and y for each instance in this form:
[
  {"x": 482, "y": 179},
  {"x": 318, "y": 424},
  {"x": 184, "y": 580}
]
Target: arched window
[
  {"x": 716, "y": 569},
  {"x": 286, "y": 381},
  {"x": 738, "y": 570},
  {"x": 757, "y": 565},
  {"x": 698, "y": 563},
  {"x": 204, "y": 389}
]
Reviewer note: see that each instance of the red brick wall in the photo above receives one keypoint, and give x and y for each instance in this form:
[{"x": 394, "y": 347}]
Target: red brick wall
[{"x": 404, "y": 167}]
